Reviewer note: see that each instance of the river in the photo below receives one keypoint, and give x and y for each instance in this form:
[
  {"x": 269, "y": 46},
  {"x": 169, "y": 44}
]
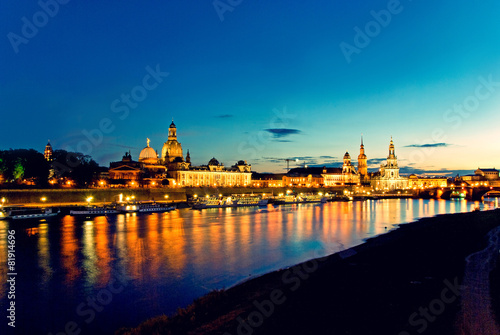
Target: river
[{"x": 97, "y": 275}]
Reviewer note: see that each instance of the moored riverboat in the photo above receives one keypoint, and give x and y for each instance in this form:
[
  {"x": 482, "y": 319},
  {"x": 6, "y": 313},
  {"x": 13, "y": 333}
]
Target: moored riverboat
[
  {"x": 93, "y": 211},
  {"x": 155, "y": 208},
  {"x": 29, "y": 213},
  {"x": 128, "y": 208},
  {"x": 231, "y": 201}
]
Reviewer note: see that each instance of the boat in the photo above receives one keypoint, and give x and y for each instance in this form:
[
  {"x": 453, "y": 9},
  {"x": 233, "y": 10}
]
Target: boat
[
  {"x": 155, "y": 208},
  {"x": 29, "y": 213},
  {"x": 311, "y": 198},
  {"x": 3, "y": 214},
  {"x": 232, "y": 201},
  {"x": 212, "y": 202},
  {"x": 285, "y": 200},
  {"x": 263, "y": 202},
  {"x": 245, "y": 201},
  {"x": 300, "y": 199},
  {"x": 93, "y": 211},
  {"x": 127, "y": 208}
]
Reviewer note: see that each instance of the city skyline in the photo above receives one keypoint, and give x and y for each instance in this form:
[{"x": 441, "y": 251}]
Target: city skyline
[{"x": 259, "y": 80}]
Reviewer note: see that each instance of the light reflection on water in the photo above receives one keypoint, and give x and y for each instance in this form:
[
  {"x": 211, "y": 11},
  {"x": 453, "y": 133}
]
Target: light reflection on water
[{"x": 168, "y": 259}]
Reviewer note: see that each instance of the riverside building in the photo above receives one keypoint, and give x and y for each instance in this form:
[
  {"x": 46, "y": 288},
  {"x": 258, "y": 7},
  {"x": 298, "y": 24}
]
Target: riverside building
[
  {"x": 172, "y": 169},
  {"x": 388, "y": 178}
]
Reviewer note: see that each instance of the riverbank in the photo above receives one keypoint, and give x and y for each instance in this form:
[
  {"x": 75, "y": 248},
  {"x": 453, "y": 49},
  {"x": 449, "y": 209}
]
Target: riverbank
[
  {"x": 403, "y": 282},
  {"x": 70, "y": 196}
]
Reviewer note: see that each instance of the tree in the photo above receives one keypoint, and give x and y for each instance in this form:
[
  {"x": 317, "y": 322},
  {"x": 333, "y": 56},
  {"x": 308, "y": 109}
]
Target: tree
[
  {"x": 82, "y": 169},
  {"x": 18, "y": 172}
]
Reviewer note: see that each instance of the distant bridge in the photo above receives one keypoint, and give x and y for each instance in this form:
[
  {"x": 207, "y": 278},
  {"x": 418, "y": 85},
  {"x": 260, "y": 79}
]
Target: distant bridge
[{"x": 465, "y": 192}]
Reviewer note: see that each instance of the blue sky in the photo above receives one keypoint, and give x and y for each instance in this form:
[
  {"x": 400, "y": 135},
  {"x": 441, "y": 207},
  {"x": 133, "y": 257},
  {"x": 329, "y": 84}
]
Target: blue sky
[{"x": 268, "y": 80}]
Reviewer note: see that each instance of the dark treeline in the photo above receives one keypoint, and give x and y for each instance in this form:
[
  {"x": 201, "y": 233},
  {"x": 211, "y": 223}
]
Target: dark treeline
[{"x": 20, "y": 165}]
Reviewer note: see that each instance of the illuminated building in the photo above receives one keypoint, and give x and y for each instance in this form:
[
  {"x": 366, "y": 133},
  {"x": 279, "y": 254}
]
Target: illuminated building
[
  {"x": 48, "y": 152},
  {"x": 304, "y": 177},
  {"x": 481, "y": 177},
  {"x": 339, "y": 177},
  {"x": 171, "y": 151},
  {"x": 488, "y": 174},
  {"x": 153, "y": 173},
  {"x": 147, "y": 171},
  {"x": 267, "y": 179},
  {"x": 214, "y": 174},
  {"x": 171, "y": 168},
  {"x": 415, "y": 181},
  {"x": 389, "y": 178},
  {"x": 126, "y": 169},
  {"x": 362, "y": 162}
]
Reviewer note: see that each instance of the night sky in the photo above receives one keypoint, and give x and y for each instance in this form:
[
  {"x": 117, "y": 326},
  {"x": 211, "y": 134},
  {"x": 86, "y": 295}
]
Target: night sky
[{"x": 256, "y": 79}]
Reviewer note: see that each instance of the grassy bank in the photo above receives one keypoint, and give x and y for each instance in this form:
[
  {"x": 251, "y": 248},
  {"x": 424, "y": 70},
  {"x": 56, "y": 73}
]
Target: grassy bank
[{"x": 374, "y": 288}]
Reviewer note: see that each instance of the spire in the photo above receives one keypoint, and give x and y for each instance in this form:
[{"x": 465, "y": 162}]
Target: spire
[
  {"x": 362, "y": 139},
  {"x": 48, "y": 151},
  {"x": 147, "y": 141},
  {"x": 391, "y": 149}
]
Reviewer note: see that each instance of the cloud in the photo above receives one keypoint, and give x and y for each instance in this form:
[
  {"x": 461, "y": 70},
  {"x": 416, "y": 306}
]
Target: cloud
[
  {"x": 428, "y": 145},
  {"x": 282, "y": 132},
  {"x": 224, "y": 116},
  {"x": 433, "y": 172},
  {"x": 376, "y": 160}
]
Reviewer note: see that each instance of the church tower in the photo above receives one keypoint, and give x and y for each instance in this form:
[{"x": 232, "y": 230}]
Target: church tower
[
  {"x": 172, "y": 149},
  {"x": 391, "y": 169},
  {"x": 362, "y": 161},
  {"x": 48, "y": 152},
  {"x": 347, "y": 168},
  {"x": 172, "y": 132},
  {"x": 392, "y": 160}
]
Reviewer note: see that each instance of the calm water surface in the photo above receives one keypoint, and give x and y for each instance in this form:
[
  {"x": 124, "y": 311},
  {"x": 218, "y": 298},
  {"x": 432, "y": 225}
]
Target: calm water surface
[{"x": 100, "y": 274}]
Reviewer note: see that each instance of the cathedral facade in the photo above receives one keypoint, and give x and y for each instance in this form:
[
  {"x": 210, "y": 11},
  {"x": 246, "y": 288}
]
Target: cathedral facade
[{"x": 389, "y": 178}]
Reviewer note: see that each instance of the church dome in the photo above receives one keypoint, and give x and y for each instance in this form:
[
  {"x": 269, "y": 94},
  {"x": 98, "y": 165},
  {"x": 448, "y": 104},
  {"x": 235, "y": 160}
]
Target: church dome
[
  {"x": 213, "y": 161},
  {"x": 148, "y": 155},
  {"x": 172, "y": 125},
  {"x": 347, "y": 156}
]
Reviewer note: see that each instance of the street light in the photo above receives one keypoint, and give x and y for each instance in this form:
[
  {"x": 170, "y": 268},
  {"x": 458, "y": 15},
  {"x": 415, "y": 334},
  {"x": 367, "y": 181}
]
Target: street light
[
  {"x": 89, "y": 199},
  {"x": 43, "y": 199}
]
